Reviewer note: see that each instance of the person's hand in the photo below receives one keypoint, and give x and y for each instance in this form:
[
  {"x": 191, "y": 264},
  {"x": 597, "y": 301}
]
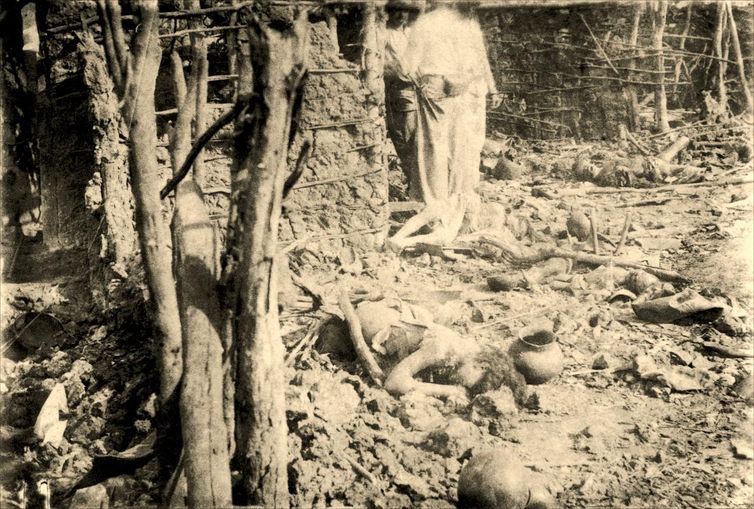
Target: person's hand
[{"x": 496, "y": 99}]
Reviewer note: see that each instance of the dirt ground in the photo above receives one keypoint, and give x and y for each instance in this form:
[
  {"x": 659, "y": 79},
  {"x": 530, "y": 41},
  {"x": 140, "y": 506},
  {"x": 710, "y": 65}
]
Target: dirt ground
[{"x": 597, "y": 437}]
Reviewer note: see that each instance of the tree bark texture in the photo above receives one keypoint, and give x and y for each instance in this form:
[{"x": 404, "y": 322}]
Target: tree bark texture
[
  {"x": 661, "y": 100},
  {"x": 722, "y": 92},
  {"x": 135, "y": 75},
  {"x": 633, "y": 101},
  {"x": 739, "y": 59},
  {"x": 205, "y": 445},
  {"x": 231, "y": 259},
  {"x": 200, "y": 65},
  {"x": 373, "y": 38},
  {"x": 261, "y": 155},
  {"x": 207, "y": 465}
]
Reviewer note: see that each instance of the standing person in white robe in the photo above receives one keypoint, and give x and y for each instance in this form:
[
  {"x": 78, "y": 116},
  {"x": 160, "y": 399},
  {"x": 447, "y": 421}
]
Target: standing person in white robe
[{"x": 447, "y": 61}]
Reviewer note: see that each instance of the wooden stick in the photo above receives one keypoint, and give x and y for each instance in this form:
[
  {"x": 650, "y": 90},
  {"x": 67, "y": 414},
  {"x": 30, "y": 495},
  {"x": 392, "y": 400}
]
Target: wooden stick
[
  {"x": 724, "y": 351},
  {"x": 304, "y": 185},
  {"x": 599, "y": 46},
  {"x": 739, "y": 58},
  {"x": 529, "y": 255},
  {"x": 670, "y": 187},
  {"x": 202, "y": 30},
  {"x": 308, "y": 340},
  {"x": 366, "y": 474},
  {"x": 362, "y": 350},
  {"x": 630, "y": 137},
  {"x": 623, "y": 234},
  {"x": 342, "y": 123},
  {"x": 661, "y": 100},
  {"x": 671, "y": 151},
  {"x": 718, "y": 45},
  {"x": 595, "y": 237},
  {"x": 221, "y": 122}
]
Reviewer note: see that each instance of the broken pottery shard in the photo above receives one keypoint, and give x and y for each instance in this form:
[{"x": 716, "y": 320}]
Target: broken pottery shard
[
  {"x": 34, "y": 330},
  {"x": 679, "y": 379},
  {"x": 685, "y": 305},
  {"x": 622, "y": 296}
]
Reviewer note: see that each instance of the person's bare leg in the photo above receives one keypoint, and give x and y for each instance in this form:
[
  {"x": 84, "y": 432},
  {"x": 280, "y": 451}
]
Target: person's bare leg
[{"x": 441, "y": 347}]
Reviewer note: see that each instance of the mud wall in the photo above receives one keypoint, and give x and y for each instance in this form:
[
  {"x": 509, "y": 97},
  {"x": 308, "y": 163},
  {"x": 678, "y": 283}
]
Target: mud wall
[
  {"x": 66, "y": 165},
  {"x": 551, "y": 64},
  {"x": 341, "y": 198}
]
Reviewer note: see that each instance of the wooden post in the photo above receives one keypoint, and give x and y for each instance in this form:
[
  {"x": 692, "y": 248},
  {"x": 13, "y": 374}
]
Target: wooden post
[
  {"x": 739, "y": 59},
  {"x": 278, "y": 52},
  {"x": 661, "y": 100}
]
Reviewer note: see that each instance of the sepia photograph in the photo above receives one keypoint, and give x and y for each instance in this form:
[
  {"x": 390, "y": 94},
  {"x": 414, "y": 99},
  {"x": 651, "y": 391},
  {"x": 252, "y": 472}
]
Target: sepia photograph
[{"x": 377, "y": 254}]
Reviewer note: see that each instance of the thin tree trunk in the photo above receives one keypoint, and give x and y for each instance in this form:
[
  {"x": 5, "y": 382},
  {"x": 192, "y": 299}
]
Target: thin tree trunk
[
  {"x": 231, "y": 42},
  {"x": 373, "y": 38},
  {"x": 261, "y": 156},
  {"x": 633, "y": 101},
  {"x": 661, "y": 100},
  {"x": 199, "y": 62},
  {"x": 139, "y": 116},
  {"x": 205, "y": 446},
  {"x": 722, "y": 93},
  {"x": 739, "y": 59},
  {"x": 681, "y": 46},
  {"x": 231, "y": 258}
]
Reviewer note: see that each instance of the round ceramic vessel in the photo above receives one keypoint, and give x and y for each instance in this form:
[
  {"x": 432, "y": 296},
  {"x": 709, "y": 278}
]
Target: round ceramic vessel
[{"x": 537, "y": 355}]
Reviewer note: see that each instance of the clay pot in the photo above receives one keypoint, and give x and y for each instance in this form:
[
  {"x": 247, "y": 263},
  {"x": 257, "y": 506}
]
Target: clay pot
[
  {"x": 495, "y": 479},
  {"x": 537, "y": 354}
]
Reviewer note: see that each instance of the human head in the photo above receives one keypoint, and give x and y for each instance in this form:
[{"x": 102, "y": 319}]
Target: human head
[
  {"x": 497, "y": 370},
  {"x": 466, "y": 7},
  {"x": 402, "y": 12}
]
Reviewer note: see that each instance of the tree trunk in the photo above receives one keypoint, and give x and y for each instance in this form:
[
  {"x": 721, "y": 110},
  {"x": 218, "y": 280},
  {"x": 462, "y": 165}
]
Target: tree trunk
[
  {"x": 739, "y": 59},
  {"x": 137, "y": 85},
  {"x": 633, "y": 101},
  {"x": 207, "y": 466},
  {"x": 373, "y": 36},
  {"x": 261, "y": 156},
  {"x": 681, "y": 46},
  {"x": 205, "y": 445},
  {"x": 199, "y": 64},
  {"x": 231, "y": 259},
  {"x": 661, "y": 100},
  {"x": 231, "y": 43},
  {"x": 722, "y": 93}
]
